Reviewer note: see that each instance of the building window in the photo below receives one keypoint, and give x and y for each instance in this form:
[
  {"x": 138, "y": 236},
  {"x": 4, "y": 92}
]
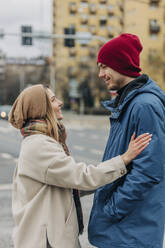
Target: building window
[
  {"x": 72, "y": 8},
  {"x": 154, "y": 27},
  {"x": 84, "y": 61},
  {"x": 152, "y": 53},
  {"x": 154, "y": 3},
  {"x": 84, "y": 18},
  {"x": 72, "y": 71},
  {"x": 92, "y": 8},
  {"x": 103, "y": 1},
  {"x": 154, "y": 57},
  {"x": 103, "y": 21},
  {"x": 69, "y": 42},
  {"x": 92, "y": 52},
  {"x": 110, "y": 9},
  {"x": 110, "y": 32},
  {"x": 84, "y": 46},
  {"x": 92, "y": 29},
  {"x": 121, "y": 21},
  {"x": 72, "y": 52}
]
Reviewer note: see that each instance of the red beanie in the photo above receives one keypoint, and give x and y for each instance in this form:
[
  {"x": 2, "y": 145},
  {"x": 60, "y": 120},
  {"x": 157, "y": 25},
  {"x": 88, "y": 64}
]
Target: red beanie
[{"x": 122, "y": 54}]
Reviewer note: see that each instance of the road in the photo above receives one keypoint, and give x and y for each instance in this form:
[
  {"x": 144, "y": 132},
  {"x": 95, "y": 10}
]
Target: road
[{"x": 86, "y": 140}]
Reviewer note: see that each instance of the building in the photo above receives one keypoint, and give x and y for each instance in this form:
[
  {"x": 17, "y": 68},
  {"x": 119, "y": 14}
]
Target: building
[
  {"x": 146, "y": 18},
  {"x": 18, "y": 73},
  {"x": 75, "y": 60}
]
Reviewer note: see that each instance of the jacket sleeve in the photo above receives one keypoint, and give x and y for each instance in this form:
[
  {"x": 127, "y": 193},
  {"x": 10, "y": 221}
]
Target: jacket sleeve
[
  {"x": 50, "y": 165},
  {"x": 147, "y": 168}
]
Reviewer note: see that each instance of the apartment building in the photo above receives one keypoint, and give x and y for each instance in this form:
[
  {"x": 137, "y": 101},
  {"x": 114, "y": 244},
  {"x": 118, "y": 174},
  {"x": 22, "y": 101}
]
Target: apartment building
[
  {"x": 146, "y": 18},
  {"x": 76, "y": 59}
]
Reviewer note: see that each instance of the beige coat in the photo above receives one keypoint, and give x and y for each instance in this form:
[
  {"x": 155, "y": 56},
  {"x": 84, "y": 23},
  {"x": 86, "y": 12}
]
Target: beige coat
[{"x": 42, "y": 192}]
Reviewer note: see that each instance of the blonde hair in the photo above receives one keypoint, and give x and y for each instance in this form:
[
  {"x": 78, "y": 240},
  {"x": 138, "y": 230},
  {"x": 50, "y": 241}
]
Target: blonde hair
[{"x": 50, "y": 118}]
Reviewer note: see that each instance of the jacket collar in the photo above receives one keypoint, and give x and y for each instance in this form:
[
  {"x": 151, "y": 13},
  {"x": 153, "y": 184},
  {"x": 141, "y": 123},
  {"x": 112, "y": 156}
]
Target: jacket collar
[{"x": 116, "y": 110}]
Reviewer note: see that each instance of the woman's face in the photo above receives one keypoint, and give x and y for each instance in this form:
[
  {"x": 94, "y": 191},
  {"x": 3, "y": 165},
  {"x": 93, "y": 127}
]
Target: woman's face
[{"x": 56, "y": 104}]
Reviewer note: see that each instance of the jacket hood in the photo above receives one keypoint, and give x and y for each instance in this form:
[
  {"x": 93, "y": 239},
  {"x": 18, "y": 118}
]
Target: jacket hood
[{"x": 149, "y": 87}]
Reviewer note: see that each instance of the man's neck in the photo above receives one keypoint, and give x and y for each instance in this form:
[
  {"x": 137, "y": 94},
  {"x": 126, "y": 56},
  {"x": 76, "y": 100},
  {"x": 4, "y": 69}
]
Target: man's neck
[
  {"x": 127, "y": 80},
  {"x": 124, "y": 85}
]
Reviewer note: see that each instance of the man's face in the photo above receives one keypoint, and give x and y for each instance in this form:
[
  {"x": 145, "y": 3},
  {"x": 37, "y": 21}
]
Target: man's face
[{"x": 113, "y": 79}]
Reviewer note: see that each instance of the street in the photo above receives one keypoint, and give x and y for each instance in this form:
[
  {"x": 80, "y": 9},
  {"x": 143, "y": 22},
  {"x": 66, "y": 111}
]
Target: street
[{"x": 86, "y": 140}]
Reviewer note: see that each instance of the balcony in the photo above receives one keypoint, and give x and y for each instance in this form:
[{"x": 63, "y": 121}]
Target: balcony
[
  {"x": 72, "y": 52},
  {"x": 121, "y": 8},
  {"x": 154, "y": 27},
  {"x": 110, "y": 32},
  {"x": 72, "y": 71},
  {"x": 92, "y": 52},
  {"x": 111, "y": 12},
  {"x": 84, "y": 62},
  {"x": 84, "y": 18},
  {"x": 92, "y": 8},
  {"x": 121, "y": 21},
  {"x": 72, "y": 8},
  {"x": 93, "y": 29}
]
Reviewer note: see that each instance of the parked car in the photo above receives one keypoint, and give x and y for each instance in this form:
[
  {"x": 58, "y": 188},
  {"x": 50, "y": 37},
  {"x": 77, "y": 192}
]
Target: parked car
[{"x": 4, "y": 111}]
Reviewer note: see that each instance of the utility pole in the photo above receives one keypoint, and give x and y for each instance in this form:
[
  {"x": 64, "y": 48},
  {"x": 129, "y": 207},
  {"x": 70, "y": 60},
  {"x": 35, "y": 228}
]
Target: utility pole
[
  {"x": 52, "y": 74},
  {"x": 21, "y": 80},
  {"x": 2, "y": 78}
]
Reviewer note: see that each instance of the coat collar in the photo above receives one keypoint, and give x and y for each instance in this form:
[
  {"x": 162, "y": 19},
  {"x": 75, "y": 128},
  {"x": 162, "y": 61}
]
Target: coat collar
[{"x": 149, "y": 86}]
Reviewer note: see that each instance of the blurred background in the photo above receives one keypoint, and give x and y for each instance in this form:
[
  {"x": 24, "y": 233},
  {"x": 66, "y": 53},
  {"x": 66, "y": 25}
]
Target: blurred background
[{"x": 56, "y": 42}]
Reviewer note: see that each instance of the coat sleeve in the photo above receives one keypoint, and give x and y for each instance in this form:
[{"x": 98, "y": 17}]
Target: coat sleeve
[
  {"x": 50, "y": 165},
  {"x": 147, "y": 168}
]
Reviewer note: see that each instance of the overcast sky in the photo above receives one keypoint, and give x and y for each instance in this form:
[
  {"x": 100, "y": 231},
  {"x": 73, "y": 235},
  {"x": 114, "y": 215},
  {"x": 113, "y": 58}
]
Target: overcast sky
[{"x": 13, "y": 14}]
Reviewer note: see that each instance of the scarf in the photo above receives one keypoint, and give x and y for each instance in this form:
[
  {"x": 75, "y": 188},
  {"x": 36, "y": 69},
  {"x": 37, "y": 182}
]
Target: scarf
[{"x": 40, "y": 127}]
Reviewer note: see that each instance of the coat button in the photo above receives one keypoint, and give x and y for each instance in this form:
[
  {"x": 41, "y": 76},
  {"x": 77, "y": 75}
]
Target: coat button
[{"x": 122, "y": 172}]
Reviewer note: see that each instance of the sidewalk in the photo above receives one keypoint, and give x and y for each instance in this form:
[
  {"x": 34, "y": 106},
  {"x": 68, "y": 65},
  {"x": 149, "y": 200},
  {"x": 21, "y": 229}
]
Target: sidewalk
[{"x": 71, "y": 121}]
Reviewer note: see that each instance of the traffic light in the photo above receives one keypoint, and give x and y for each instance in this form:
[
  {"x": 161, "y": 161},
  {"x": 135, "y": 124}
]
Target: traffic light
[
  {"x": 69, "y": 42},
  {"x": 26, "y": 40}
]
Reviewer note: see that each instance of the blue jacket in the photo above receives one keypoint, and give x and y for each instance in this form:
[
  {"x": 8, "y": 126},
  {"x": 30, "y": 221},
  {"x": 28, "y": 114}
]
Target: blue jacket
[{"x": 130, "y": 212}]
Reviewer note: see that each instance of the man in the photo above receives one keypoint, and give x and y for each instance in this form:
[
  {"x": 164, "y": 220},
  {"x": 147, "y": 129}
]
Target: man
[{"x": 130, "y": 213}]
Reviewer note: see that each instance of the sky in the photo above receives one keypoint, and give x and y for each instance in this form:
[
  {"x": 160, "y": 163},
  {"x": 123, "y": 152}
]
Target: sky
[{"x": 14, "y": 14}]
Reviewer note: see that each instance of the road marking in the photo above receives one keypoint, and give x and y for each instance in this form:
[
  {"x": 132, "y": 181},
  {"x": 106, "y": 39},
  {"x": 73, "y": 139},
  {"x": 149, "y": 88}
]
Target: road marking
[
  {"x": 5, "y": 187},
  {"x": 6, "y": 156}
]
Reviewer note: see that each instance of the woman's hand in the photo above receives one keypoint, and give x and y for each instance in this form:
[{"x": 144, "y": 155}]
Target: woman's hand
[{"x": 136, "y": 146}]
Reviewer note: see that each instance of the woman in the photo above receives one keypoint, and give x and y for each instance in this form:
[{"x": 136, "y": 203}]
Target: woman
[{"x": 47, "y": 212}]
